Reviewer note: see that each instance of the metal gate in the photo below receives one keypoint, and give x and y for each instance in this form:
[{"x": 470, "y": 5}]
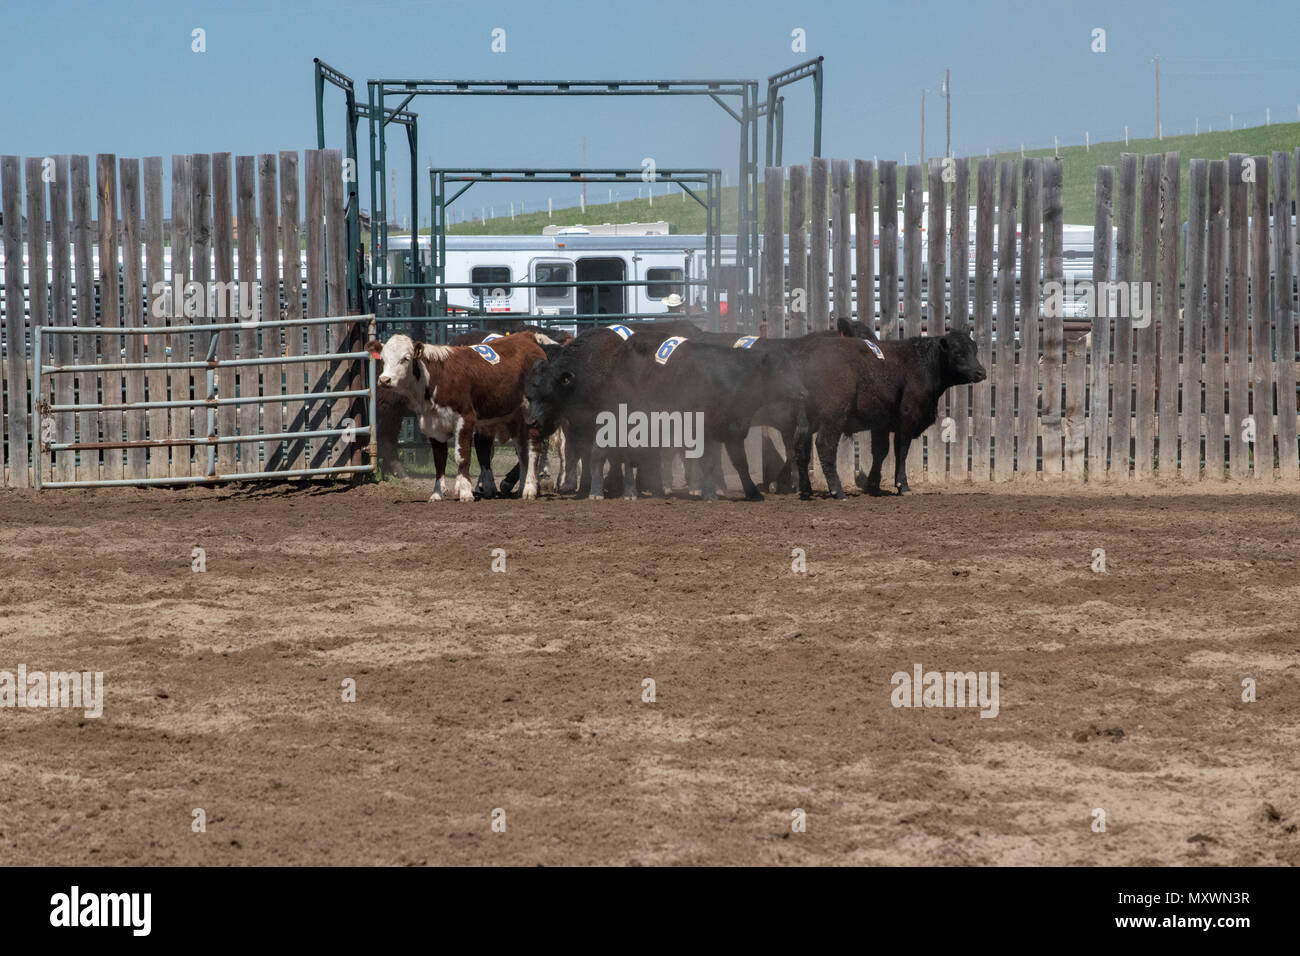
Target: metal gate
[{"x": 286, "y": 398}]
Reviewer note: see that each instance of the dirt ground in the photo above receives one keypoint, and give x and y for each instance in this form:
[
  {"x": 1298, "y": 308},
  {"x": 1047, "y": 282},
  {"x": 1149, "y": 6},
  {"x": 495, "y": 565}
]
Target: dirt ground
[{"x": 523, "y": 690}]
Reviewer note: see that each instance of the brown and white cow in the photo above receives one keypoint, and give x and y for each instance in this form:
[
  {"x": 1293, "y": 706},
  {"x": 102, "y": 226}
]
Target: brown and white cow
[{"x": 456, "y": 391}]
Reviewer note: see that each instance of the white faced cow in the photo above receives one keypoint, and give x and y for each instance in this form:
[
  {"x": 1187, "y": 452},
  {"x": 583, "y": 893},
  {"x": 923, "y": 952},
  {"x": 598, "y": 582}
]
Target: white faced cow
[{"x": 456, "y": 390}]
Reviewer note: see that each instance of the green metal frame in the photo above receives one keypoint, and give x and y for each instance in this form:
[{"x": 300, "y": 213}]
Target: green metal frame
[
  {"x": 324, "y": 73},
  {"x": 710, "y": 179},
  {"x": 747, "y": 113},
  {"x": 776, "y": 114}
]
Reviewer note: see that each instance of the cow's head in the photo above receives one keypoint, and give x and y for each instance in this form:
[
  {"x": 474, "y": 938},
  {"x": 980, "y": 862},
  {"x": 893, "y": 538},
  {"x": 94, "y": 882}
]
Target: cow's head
[
  {"x": 961, "y": 366},
  {"x": 547, "y": 391},
  {"x": 781, "y": 377},
  {"x": 403, "y": 371}
]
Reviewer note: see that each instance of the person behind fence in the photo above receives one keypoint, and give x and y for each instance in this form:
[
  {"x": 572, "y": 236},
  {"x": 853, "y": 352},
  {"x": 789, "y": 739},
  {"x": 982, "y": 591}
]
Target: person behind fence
[{"x": 675, "y": 304}]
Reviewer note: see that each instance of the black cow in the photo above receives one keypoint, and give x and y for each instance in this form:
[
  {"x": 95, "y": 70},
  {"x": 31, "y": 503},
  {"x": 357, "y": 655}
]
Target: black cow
[
  {"x": 782, "y": 415},
  {"x": 567, "y": 392},
  {"x": 697, "y": 385},
  {"x": 897, "y": 391}
]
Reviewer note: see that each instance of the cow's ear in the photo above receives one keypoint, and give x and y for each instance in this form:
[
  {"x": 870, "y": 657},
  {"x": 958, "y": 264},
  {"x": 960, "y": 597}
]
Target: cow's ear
[
  {"x": 418, "y": 352},
  {"x": 944, "y": 344}
]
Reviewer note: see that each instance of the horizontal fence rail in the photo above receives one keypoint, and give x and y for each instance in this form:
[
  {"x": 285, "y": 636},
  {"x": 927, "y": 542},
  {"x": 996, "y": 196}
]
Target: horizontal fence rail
[{"x": 104, "y": 381}]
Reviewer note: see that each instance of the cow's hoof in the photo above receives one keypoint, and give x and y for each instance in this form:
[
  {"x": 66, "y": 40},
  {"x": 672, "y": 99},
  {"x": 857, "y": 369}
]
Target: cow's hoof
[
  {"x": 784, "y": 487},
  {"x": 838, "y": 494},
  {"x": 756, "y": 496},
  {"x": 564, "y": 489},
  {"x": 463, "y": 489},
  {"x": 530, "y": 493},
  {"x": 435, "y": 497},
  {"x": 805, "y": 496},
  {"x": 904, "y": 490},
  {"x": 489, "y": 493},
  {"x": 864, "y": 483},
  {"x": 597, "y": 497}
]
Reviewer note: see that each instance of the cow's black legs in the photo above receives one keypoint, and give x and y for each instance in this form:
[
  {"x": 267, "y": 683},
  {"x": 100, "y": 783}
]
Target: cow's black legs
[
  {"x": 785, "y": 477},
  {"x": 439, "y": 467},
  {"x": 740, "y": 461},
  {"x": 597, "y": 472},
  {"x": 710, "y": 470},
  {"x": 879, "y": 449},
  {"x": 901, "y": 445},
  {"x": 828, "y": 442},
  {"x": 511, "y": 479},
  {"x": 803, "y": 439},
  {"x": 649, "y": 475},
  {"x": 483, "y": 451}
]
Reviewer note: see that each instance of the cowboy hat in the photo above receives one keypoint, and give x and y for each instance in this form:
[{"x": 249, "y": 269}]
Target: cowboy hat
[{"x": 673, "y": 300}]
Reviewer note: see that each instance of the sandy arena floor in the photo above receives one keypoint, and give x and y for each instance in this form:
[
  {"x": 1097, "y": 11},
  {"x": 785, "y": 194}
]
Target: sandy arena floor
[{"x": 522, "y": 690}]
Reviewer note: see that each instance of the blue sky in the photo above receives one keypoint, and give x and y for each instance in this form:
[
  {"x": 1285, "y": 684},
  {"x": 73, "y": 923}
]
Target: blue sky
[{"x": 121, "y": 77}]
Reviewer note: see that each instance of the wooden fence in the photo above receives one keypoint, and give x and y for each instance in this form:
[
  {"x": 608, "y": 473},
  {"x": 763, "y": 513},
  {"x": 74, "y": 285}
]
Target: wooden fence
[
  {"x": 101, "y": 272},
  {"x": 1204, "y": 388}
]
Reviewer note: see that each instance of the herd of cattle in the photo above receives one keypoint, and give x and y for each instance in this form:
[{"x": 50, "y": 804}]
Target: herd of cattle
[{"x": 524, "y": 387}]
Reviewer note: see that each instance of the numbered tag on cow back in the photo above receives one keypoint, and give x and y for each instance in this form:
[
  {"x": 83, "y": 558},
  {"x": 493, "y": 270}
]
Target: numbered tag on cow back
[
  {"x": 666, "y": 350},
  {"x": 487, "y": 353}
]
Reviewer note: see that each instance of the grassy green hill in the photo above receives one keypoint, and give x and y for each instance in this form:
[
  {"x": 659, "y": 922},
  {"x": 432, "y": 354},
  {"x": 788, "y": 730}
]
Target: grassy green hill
[{"x": 1080, "y": 169}]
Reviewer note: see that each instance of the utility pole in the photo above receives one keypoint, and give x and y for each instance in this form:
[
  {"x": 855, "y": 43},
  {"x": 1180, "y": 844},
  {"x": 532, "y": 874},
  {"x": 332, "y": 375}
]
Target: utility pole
[
  {"x": 584, "y": 169},
  {"x": 947, "y": 99},
  {"x": 1160, "y": 133},
  {"x": 922, "y": 127}
]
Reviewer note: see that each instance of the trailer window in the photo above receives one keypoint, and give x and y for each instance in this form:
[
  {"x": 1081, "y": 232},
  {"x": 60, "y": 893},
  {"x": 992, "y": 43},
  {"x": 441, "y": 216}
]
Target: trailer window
[
  {"x": 663, "y": 283},
  {"x": 492, "y": 277},
  {"x": 553, "y": 272}
]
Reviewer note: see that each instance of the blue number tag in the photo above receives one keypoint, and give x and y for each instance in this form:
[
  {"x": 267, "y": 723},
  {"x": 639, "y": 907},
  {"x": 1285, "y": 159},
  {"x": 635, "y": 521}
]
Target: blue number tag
[
  {"x": 492, "y": 337},
  {"x": 622, "y": 331},
  {"x": 487, "y": 353},
  {"x": 667, "y": 349},
  {"x": 875, "y": 348},
  {"x": 744, "y": 342}
]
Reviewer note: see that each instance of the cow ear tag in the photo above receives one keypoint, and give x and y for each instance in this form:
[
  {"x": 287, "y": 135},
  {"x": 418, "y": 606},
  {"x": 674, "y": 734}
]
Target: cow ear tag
[{"x": 875, "y": 349}]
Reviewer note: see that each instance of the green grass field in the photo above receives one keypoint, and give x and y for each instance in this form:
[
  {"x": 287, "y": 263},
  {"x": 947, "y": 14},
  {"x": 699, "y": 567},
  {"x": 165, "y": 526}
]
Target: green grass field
[{"x": 1080, "y": 171}]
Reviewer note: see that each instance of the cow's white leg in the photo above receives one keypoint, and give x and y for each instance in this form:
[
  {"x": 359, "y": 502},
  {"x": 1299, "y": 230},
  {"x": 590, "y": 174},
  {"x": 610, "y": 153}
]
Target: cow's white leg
[
  {"x": 535, "y": 451},
  {"x": 463, "y": 442}
]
